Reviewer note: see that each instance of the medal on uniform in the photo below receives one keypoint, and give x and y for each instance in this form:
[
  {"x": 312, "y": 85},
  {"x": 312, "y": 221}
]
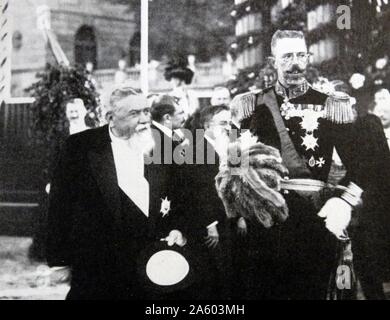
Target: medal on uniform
[
  {"x": 320, "y": 163},
  {"x": 165, "y": 206},
  {"x": 309, "y": 142},
  {"x": 312, "y": 162},
  {"x": 310, "y": 118}
]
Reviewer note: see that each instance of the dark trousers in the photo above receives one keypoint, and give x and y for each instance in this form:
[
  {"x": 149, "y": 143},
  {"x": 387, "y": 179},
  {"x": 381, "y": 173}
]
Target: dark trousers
[
  {"x": 370, "y": 246},
  {"x": 213, "y": 268},
  {"x": 293, "y": 260}
]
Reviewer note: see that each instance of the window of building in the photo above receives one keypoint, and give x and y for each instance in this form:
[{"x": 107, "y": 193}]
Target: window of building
[
  {"x": 17, "y": 40},
  {"x": 323, "y": 50},
  {"x": 286, "y": 3},
  {"x": 85, "y": 46},
  {"x": 236, "y": 2},
  {"x": 320, "y": 15},
  {"x": 248, "y": 23}
]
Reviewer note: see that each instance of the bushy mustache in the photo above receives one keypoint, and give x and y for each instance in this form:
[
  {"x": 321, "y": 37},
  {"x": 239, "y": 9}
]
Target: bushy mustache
[
  {"x": 142, "y": 127},
  {"x": 295, "y": 68}
]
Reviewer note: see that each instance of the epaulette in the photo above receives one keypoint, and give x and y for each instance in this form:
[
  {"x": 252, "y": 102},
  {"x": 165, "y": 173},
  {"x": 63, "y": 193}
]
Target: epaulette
[
  {"x": 245, "y": 103},
  {"x": 338, "y": 108}
]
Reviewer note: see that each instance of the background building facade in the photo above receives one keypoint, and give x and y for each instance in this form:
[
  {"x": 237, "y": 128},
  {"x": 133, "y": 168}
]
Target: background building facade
[{"x": 87, "y": 30}]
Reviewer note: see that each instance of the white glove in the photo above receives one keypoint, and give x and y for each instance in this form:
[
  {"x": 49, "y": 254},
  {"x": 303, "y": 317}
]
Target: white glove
[
  {"x": 212, "y": 238},
  {"x": 175, "y": 237},
  {"x": 337, "y": 214}
]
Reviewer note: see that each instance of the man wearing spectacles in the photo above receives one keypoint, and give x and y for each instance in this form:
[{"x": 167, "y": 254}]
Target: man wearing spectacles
[
  {"x": 206, "y": 213},
  {"x": 305, "y": 125}
]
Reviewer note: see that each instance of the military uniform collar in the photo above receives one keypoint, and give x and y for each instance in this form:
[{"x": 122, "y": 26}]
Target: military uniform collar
[{"x": 294, "y": 92}]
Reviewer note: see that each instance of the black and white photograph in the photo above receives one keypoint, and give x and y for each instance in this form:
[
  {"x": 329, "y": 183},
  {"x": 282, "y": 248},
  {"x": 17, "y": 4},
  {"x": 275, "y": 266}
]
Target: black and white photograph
[{"x": 208, "y": 152}]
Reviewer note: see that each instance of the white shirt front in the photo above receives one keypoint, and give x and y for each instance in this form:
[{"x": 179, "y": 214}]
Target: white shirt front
[
  {"x": 163, "y": 128},
  {"x": 129, "y": 165},
  {"x": 170, "y": 133},
  {"x": 387, "y": 134}
]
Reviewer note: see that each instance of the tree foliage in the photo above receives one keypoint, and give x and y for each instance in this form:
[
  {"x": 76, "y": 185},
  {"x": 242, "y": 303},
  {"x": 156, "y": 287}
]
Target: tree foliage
[
  {"x": 56, "y": 86},
  {"x": 183, "y": 27}
]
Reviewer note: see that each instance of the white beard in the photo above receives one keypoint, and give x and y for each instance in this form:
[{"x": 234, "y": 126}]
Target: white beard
[
  {"x": 142, "y": 141},
  {"x": 222, "y": 144}
]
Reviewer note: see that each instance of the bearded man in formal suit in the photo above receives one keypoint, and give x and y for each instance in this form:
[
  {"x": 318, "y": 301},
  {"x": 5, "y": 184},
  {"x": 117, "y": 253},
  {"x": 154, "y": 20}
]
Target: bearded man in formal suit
[{"x": 105, "y": 203}]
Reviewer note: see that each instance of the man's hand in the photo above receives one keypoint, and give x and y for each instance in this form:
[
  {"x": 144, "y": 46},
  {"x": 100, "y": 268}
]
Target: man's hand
[
  {"x": 212, "y": 238},
  {"x": 242, "y": 227},
  {"x": 175, "y": 237},
  {"x": 337, "y": 214},
  {"x": 60, "y": 275}
]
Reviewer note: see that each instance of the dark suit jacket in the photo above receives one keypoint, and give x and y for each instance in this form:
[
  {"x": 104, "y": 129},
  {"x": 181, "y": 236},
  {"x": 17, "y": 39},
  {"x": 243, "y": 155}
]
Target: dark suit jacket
[
  {"x": 93, "y": 227},
  {"x": 371, "y": 236},
  {"x": 199, "y": 197}
]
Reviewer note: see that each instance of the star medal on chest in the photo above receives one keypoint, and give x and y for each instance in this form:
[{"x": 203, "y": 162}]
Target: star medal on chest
[
  {"x": 165, "y": 206},
  {"x": 309, "y": 121},
  {"x": 309, "y": 142},
  {"x": 288, "y": 110}
]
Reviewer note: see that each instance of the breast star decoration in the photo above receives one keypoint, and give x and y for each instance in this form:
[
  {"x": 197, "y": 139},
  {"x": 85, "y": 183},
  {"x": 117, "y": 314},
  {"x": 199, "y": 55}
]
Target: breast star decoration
[
  {"x": 310, "y": 120},
  {"x": 310, "y": 114},
  {"x": 309, "y": 142},
  {"x": 165, "y": 206}
]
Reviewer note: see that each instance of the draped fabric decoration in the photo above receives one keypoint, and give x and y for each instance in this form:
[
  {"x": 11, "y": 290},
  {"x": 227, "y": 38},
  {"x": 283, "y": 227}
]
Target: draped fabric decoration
[
  {"x": 43, "y": 13},
  {"x": 56, "y": 49},
  {"x": 5, "y": 52}
]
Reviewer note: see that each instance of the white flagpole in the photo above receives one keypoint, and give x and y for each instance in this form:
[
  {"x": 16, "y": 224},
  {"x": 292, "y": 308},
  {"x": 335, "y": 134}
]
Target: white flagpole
[{"x": 144, "y": 46}]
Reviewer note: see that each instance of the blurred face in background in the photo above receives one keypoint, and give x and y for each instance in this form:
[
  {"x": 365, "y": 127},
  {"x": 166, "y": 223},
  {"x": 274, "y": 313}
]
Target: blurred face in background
[
  {"x": 178, "y": 118},
  {"x": 122, "y": 64},
  {"x": 218, "y": 127},
  {"x": 75, "y": 111},
  {"x": 290, "y": 60},
  {"x": 220, "y": 96},
  {"x": 382, "y": 107},
  {"x": 89, "y": 67}
]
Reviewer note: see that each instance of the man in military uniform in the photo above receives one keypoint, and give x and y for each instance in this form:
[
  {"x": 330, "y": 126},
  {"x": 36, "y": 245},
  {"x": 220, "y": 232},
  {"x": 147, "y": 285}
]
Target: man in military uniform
[{"x": 296, "y": 258}]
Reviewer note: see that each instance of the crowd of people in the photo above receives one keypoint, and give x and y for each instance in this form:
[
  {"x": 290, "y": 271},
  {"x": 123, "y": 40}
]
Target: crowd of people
[{"x": 163, "y": 173}]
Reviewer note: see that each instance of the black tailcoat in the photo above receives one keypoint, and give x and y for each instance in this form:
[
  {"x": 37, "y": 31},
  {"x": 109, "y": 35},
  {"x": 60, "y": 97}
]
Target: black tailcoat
[
  {"x": 199, "y": 193},
  {"x": 93, "y": 227},
  {"x": 203, "y": 206}
]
